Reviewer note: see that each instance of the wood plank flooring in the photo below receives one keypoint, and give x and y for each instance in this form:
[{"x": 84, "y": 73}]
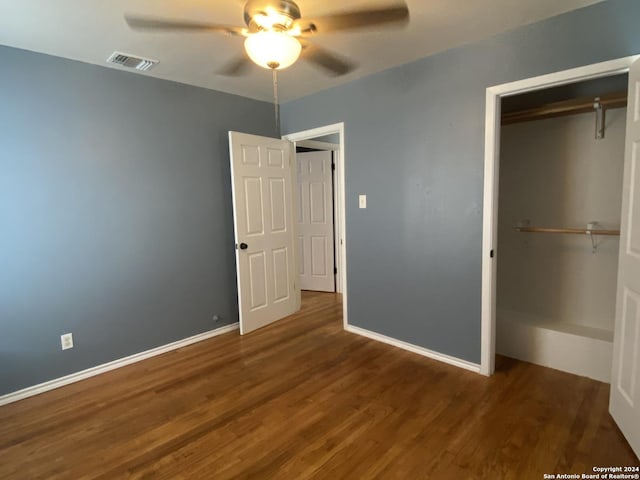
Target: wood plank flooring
[{"x": 304, "y": 399}]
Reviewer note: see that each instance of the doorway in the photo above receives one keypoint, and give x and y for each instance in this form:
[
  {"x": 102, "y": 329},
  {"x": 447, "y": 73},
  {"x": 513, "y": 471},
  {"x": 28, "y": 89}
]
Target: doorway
[
  {"x": 331, "y": 137},
  {"x": 315, "y": 189},
  {"x": 494, "y": 98}
]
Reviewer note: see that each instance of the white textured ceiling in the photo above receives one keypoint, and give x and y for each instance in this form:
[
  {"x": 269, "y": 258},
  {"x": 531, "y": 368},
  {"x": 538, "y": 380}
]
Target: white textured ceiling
[{"x": 90, "y": 30}]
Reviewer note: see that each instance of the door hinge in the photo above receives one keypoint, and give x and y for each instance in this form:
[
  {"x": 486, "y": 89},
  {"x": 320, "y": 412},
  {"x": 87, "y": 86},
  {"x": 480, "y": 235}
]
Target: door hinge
[
  {"x": 335, "y": 270},
  {"x": 491, "y": 253},
  {"x": 333, "y": 165}
]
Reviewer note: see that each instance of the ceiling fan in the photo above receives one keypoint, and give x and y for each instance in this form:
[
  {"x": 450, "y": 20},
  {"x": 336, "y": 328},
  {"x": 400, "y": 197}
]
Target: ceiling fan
[{"x": 276, "y": 34}]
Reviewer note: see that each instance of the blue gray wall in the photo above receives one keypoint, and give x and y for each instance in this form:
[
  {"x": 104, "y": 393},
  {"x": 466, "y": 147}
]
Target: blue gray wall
[
  {"x": 115, "y": 213},
  {"x": 414, "y": 139}
]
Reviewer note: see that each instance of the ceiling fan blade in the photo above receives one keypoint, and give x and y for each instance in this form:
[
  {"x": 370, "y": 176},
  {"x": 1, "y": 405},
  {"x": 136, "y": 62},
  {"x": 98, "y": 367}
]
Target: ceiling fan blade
[
  {"x": 235, "y": 67},
  {"x": 327, "y": 60},
  {"x": 160, "y": 24},
  {"x": 356, "y": 19}
]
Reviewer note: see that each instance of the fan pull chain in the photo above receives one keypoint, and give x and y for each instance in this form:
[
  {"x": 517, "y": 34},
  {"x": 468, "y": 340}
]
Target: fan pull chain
[{"x": 276, "y": 107}]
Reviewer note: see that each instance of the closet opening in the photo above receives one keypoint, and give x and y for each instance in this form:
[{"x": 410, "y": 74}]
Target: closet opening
[
  {"x": 491, "y": 251},
  {"x": 559, "y": 211}
]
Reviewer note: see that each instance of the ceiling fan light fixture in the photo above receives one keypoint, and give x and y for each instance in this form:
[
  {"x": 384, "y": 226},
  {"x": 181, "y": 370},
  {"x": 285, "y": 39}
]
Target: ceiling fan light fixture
[
  {"x": 272, "y": 20},
  {"x": 272, "y": 49}
]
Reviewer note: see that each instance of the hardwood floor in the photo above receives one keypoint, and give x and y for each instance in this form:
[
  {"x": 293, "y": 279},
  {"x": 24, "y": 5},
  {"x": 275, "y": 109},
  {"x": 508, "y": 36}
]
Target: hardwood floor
[{"x": 304, "y": 399}]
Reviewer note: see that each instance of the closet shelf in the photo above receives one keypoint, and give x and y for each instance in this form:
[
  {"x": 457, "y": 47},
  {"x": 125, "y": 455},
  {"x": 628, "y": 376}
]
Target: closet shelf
[
  {"x": 567, "y": 107},
  {"x": 573, "y": 231}
]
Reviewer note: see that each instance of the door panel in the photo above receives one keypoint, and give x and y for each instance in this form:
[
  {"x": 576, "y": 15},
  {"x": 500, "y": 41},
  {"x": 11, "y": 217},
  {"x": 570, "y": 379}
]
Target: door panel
[
  {"x": 318, "y": 256},
  {"x": 301, "y": 254},
  {"x": 633, "y": 237},
  {"x": 278, "y": 205},
  {"x": 315, "y": 221},
  {"x": 628, "y": 369},
  {"x": 625, "y": 378},
  {"x": 257, "y": 280},
  {"x": 263, "y": 218},
  {"x": 253, "y": 206},
  {"x": 318, "y": 203},
  {"x": 281, "y": 274}
]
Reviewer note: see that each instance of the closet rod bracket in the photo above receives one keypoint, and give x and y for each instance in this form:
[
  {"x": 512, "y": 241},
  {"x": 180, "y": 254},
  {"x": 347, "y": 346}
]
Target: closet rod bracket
[{"x": 590, "y": 227}]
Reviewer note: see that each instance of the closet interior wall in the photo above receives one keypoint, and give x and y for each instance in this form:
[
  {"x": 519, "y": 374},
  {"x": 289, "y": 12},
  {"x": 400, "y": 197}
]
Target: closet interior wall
[{"x": 554, "y": 291}]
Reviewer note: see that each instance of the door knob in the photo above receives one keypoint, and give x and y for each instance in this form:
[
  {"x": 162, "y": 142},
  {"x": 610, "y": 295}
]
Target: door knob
[{"x": 243, "y": 246}]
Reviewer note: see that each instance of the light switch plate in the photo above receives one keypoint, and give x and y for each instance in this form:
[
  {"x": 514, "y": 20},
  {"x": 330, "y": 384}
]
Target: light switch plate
[
  {"x": 66, "y": 341},
  {"x": 362, "y": 201}
]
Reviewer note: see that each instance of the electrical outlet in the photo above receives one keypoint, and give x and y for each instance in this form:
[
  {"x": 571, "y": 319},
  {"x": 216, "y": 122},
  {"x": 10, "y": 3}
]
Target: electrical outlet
[
  {"x": 362, "y": 201},
  {"x": 216, "y": 318},
  {"x": 66, "y": 341}
]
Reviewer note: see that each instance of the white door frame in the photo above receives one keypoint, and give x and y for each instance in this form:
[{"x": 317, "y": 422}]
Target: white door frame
[
  {"x": 491, "y": 176},
  {"x": 317, "y": 145},
  {"x": 335, "y": 148},
  {"x": 339, "y": 198}
]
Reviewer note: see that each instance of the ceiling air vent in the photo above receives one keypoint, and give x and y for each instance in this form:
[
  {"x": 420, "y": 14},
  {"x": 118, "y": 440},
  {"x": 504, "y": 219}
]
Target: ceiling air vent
[{"x": 129, "y": 61}]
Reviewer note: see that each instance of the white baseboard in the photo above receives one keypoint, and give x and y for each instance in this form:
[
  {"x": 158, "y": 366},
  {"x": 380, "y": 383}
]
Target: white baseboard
[
  {"x": 105, "y": 367},
  {"x": 441, "y": 357}
]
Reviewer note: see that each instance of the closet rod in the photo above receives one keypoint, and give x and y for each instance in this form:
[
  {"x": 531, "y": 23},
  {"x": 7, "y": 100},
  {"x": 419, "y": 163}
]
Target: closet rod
[
  {"x": 574, "y": 231},
  {"x": 567, "y": 107}
]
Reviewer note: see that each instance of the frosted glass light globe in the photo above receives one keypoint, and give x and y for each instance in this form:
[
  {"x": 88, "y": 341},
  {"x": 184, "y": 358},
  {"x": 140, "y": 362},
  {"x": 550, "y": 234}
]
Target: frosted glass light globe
[{"x": 272, "y": 50}]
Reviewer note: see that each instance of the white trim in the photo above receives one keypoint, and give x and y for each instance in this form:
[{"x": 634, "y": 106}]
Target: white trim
[
  {"x": 105, "y": 367},
  {"x": 456, "y": 362},
  {"x": 489, "y": 232},
  {"x": 317, "y": 145},
  {"x": 587, "y": 72},
  {"x": 337, "y": 196},
  {"x": 340, "y": 169},
  {"x": 491, "y": 171}
]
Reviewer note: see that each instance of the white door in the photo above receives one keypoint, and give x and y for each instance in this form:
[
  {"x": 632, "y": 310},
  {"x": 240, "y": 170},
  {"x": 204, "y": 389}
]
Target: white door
[
  {"x": 261, "y": 178},
  {"x": 315, "y": 221},
  {"x": 625, "y": 378}
]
